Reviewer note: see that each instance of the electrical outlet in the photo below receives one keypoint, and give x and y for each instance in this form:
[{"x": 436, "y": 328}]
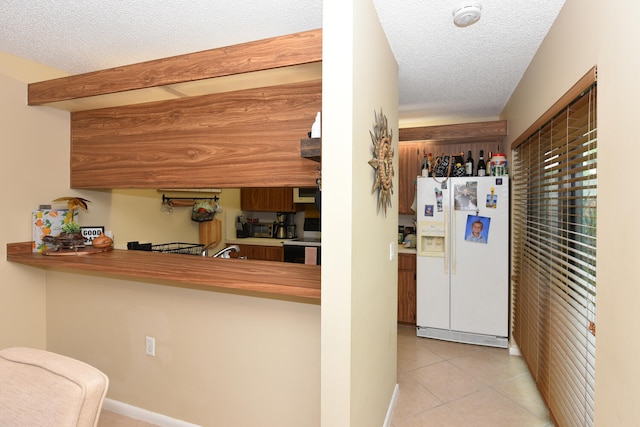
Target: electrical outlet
[{"x": 150, "y": 346}]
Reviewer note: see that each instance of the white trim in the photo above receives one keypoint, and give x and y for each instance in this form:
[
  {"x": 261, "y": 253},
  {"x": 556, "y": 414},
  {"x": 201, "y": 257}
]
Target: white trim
[
  {"x": 143, "y": 415},
  {"x": 392, "y": 405},
  {"x": 514, "y": 350}
]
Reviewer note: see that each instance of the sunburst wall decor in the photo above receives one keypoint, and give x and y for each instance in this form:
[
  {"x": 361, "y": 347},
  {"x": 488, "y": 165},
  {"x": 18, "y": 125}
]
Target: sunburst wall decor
[{"x": 382, "y": 161}]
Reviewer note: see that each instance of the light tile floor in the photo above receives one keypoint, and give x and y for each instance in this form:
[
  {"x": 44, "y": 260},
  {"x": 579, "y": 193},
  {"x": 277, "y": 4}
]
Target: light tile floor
[{"x": 451, "y": 384}]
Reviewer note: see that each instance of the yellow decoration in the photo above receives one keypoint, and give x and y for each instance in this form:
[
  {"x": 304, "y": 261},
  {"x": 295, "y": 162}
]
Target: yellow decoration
[{"x": 74, "y": 202}]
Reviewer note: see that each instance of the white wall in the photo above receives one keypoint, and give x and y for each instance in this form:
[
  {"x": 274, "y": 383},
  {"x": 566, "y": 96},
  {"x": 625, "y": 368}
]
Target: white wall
[
  {"x": 588, "y": 33},
  {"x": 618, "y": 300},
  {"x": 359, "y": 281},
  {"x": 34, "y": 144},
  {"x": 222, "y": 358}
]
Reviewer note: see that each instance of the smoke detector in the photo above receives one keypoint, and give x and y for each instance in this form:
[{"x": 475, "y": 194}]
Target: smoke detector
[{"x": 467, "y": 14}]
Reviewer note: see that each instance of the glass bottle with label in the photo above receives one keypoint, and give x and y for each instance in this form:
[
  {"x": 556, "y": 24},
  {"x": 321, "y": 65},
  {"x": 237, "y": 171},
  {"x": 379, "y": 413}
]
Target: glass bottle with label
[
  {"x": 468, "y": 165},
  {"x": 482, "y": 167}
]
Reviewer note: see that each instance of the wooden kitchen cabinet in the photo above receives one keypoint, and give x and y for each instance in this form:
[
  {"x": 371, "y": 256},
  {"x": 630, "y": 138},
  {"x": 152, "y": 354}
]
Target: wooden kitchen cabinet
[
  {"x": 407, "y": 289},
  {"x": 259, "y": 252},
  {"x": 409, "y": 160},
  {"x": 272, "y": 199}
]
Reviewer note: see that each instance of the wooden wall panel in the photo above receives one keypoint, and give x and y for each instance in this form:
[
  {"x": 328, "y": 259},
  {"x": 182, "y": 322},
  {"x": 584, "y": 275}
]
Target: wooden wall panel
[
  {"x": 408, "y": 168},
  {"x": 248, "y": 138},
  {"x": 455, "y": 132}
]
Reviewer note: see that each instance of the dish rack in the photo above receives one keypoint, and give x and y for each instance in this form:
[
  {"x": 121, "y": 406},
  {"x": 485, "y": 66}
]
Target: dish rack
[{"x": 179, "y": 248}]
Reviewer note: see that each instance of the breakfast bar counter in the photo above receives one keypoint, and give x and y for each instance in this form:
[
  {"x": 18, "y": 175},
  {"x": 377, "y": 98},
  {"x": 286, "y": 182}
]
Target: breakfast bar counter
[{"x": 263, "y": 277}]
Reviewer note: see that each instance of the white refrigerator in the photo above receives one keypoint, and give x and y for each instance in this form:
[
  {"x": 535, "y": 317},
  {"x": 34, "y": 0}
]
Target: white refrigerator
[{"x": 463, "y": 259}]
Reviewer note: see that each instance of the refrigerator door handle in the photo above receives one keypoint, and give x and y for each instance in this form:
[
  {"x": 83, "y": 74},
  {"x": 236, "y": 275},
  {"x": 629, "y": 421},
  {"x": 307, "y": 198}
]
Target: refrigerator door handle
[
  {"x": 447, "y": 239},
  {"x": 453, "y": 242}
]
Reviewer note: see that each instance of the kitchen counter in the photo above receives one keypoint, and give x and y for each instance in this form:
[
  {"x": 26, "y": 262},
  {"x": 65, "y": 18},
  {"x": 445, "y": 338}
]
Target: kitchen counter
[
  {"x": 404, "y": 250},
  {"x": 266, "y": 277},
  {"x": 258, "y": 241}
]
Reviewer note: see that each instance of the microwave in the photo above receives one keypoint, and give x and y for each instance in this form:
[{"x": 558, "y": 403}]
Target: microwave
[
  {"x": 261, "y": 230},
  {"x": 304, "y": 195}
]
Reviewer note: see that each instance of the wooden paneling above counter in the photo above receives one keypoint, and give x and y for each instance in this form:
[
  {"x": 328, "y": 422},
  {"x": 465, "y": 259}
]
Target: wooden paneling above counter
[{"x": 248, "y": 138}]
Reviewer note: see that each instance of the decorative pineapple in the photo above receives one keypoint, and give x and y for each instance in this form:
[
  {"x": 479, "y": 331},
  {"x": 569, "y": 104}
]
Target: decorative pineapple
[{"x": 70, "y": 237}]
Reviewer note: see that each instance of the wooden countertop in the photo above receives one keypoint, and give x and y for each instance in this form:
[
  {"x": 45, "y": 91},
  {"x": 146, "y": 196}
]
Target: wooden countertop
[
  {"x": 268, "y": 277},
  {"x": 404, "y": 250}
]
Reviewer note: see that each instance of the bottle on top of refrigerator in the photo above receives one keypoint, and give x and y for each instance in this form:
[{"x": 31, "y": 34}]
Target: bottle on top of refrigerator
[
  {"x": 482, "y": 167},
  {"x": 468, "y": 165},
  {"x": 425, "y": 165}
]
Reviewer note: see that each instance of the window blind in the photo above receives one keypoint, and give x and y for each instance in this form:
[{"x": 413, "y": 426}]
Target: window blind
[{"x": 554, "y": 211}]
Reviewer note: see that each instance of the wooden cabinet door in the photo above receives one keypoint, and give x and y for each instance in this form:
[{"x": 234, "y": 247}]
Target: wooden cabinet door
[
  {"x": 409, "y": 158},
  {"x": 268, "y": 253},
  {"x": 258, "y": 252},
  {"x": 198, "y": 141},
  {"x": 407, "y": 289},
  {"x": 276, "y": 199}
]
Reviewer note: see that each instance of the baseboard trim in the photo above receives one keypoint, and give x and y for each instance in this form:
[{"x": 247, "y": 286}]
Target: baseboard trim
[
  {"x": 392, "y": 406},
  {"x": 143, "y": 414},
  {"x": 514, "y": 350}
]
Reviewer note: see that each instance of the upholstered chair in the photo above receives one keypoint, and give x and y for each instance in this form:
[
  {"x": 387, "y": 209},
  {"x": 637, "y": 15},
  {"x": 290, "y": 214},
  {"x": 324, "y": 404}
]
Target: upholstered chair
[{"x": 40, "y": 388}]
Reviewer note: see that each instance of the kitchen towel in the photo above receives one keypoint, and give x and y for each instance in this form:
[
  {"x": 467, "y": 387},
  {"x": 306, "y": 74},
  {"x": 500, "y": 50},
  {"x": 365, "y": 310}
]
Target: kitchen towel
[{"x": 311, "y": 255}]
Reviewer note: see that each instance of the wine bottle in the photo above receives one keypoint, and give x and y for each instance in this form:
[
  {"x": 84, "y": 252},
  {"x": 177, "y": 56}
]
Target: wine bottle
[
  {"x": 425, "y": 165},
  {"x": 468, "y": 166},
  {"x": 482, "y": 167}
]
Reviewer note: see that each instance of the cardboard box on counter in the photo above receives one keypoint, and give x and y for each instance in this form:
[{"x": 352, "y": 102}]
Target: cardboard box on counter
[{"x": 48, "y": 222}]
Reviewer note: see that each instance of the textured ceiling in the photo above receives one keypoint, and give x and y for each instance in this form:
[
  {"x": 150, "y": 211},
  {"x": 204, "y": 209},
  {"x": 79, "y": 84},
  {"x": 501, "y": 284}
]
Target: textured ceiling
[{"x": 447, "y": 73}]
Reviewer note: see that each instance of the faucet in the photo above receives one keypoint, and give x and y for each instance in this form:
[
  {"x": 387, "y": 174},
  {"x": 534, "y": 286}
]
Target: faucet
[{"x": 224, "y": 253}]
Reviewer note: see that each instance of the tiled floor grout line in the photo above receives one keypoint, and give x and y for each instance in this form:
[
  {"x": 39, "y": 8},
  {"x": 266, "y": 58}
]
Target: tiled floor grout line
[{"x": 480, "y": 378}]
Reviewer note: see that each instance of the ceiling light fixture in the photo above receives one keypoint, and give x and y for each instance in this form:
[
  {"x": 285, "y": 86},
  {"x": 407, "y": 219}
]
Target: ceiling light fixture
[{"x": 467, "y": 14}]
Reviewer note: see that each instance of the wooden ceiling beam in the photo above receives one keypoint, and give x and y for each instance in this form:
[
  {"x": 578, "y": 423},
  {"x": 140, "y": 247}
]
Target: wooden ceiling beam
[
  {"x": 268, "y": 54},
  {"x": 455, "y": 132}
]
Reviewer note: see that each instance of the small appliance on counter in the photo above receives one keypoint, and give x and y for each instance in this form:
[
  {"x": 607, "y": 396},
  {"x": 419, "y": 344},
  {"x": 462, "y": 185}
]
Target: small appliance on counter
[
  {"x": 261, "y": 229},
  {"x": 279, "y": 230},
  {"x": 242, "y": 227},
  {"x": 291, "y": 231},
  {"x": 291, "y": 226}
]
